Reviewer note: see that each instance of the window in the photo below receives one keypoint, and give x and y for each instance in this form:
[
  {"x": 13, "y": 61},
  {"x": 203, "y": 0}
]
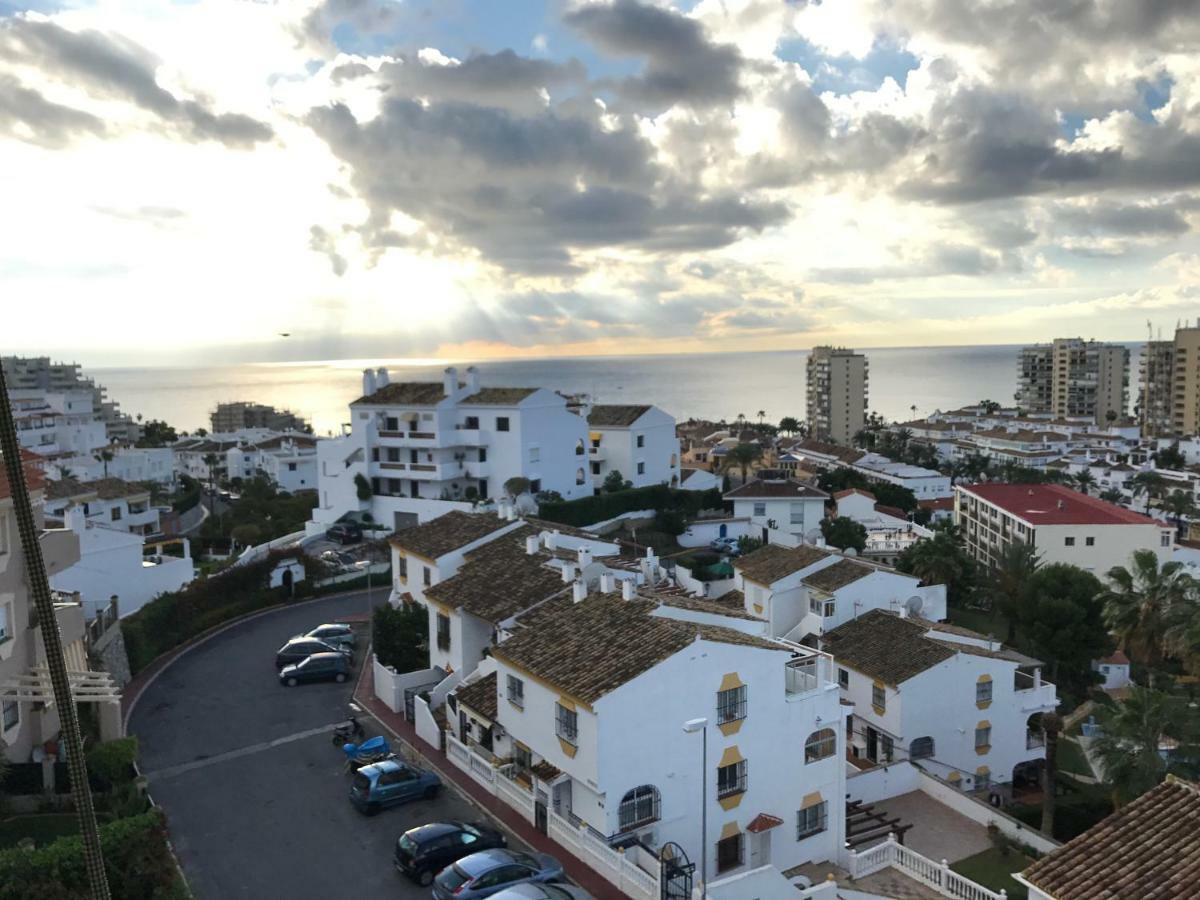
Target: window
[
  {"x": 595, "y": 468},
  {"x": 983, "y": 737},
  {"x": 502, "y": 423},
  {"x": 472, "y": 423},
  {"x": 116, "y": 513},
  {"x": 887, "y": 748},
  {"x": 535, "y": 454},
  {"x": 580, "y": 478},
  {"x": 731, "y": 779},
  {"x": 566, "y": 724},
  {"x": 843, "y": 678},
  {"x": 516, "y": 691},
  {"x": 731, "y": 705},
  {"x": 820, "y": 745},
  {"x": 1165, "y": 540},
  {"x": 1089, "y": 542},
  {"x": 522, "y": 757},
  {"x": 535, "y": 486},
  {"x": 641, "y": 440},
  {"x": 426, "y": 576},
  {"x": 1069, "y": 542},
  {"x": 812, "y": 820},
  {"x": 983, "y": 692},
  {"x": 12, "y": 714},
  {"x": 641, "y": 468},
  {"x": 638, "y": 807},
  {"x": 391, "y": 424},
  {"x": 729, "y": 852},
  {"x": 291, "y": 467},
  {"x": 921, "y": 748},
  {"x": 878, "y": 697},
  {"x": 443, "y": 632},
  {"x": 393, "y": 454},
  {"x": 483, "y": 454},
  {"x": 797, "y": 513},
  {"x": 760, "y": 509},
  {"x": 402, "y": 568}
]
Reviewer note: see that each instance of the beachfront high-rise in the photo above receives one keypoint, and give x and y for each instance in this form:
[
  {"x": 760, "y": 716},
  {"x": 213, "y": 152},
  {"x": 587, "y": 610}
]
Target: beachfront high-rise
[
  {"x": 1185, "y": 382},
  {"x": 1074, "y": 378},
  {"x": 1155, "y": 405},
  {"x": 837, "y": 394}
]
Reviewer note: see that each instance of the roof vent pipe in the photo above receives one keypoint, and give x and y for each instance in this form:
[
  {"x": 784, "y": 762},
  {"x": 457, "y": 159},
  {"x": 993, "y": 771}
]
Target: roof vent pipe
[
  {"x": 531, "y": 544},
  {"x": 579, "y": 590},
  {"x": 627, "y": 587},
  {"x": 585, "y": 557},
  {"x": 606, "y": 582},
  {"x": 568, "y": 573}
]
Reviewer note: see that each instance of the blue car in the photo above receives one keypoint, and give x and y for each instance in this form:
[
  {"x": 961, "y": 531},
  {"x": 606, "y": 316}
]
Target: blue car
[
  {"x": 492, "y": 871},
  {"x": 389, "y": 782}
]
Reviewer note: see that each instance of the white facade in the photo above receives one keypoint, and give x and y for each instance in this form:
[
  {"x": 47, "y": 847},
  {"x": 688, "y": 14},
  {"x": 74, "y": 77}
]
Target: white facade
[
  {"x": 289, "y": 461},
  {"x": 129, "y": 510},
  {"x": 926, "y": 484},
  {"x": 863, "y": 509},
  {"x": 699, "y": 480},
  {"x": 155, "y": 464},
  {"x": 53, "y": 423},
  {"x": 645, "y": 451},
  {"x": 780, "y": 512},
  {"x": 883, "y": 589}
]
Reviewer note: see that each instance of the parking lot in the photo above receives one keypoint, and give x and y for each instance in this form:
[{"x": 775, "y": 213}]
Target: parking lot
[{"x": 253, "y": 788}]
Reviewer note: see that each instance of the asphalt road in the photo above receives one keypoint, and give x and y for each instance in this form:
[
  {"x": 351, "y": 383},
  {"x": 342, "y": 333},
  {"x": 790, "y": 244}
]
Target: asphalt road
[{"x": 251, "y": 783}]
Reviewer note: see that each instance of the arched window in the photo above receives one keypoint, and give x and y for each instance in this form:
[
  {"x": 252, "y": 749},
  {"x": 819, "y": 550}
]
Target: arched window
[
  {"x": 921, "y": 748},
  {"x": 638, "y": 807},
  {"x": 579, "y": 451},
  {"x": 579, "y": 477},
  {"x": 820, "y": 745}
]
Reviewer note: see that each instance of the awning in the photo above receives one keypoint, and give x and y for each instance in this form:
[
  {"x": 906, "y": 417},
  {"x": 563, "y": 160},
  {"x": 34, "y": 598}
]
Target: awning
[
  {"x": 763, "y": 822},
  {"x": 86, "y": 687}
]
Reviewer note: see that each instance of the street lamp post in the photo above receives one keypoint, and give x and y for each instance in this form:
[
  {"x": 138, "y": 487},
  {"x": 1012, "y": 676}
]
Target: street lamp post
[{"x": 691, "y": 727}]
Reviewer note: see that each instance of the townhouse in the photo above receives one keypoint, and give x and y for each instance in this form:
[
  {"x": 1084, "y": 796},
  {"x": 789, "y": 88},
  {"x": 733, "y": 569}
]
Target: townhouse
[
  {"x": 926, "y": 484},
  {"x": 958, "y": 703},
  {"x": 57, "y": 423},
  {"x": 287, "y": 460},
  {"x": 155, "y": 464},
  {"x": 889, "y": 531},
  {"x": 637, "y": 441},
  {"x": 110, "y": 501},
  {"x": 782, "y": 510},
  {"x": 1062, "y": 525}
]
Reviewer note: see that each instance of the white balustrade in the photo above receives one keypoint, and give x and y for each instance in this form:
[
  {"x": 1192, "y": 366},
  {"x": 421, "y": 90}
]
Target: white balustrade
[{"x": 938, "y": 876}]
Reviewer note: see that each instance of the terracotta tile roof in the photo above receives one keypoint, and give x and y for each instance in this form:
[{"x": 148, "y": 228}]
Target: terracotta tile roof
[
  {"x": 763, "y": 822},
  {"x": 498, "y": 396},
  {"x": 845, "y": 454},
  {"x": 1053, "y": 504},
  {"x": 885, "y": 646},
  {"x": 719, "y": 607},
  {"x": 480, "y": 696},
  {"x": 1116, "y": 658},
  {"x": 615, "y": 416},
  {"x": 104, "y": 488},
  {"x": 840, "y": 574},
  {"x": 591, "y": 648},
  {"x": 850, "y": 492},
  {"x": 775, "y": 488},
  {"x": 893, "y": 511},
  {"x": 1148, "y": 849},
  {"x": 447, "y": 533},
  {"x": 408, "y": 393},
  {"x": 769, "y": 564},
  {"x": 34, "y": 477}
]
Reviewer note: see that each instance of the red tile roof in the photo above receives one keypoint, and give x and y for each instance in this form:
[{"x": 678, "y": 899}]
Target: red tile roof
[
  {"x": 1053, "y": 504},
  {"x": 851, "y": 491},
  {"x": 939, "y": 503},
  {"x": 1117, "y": 658},
  {"x": 34, "y": 477}
]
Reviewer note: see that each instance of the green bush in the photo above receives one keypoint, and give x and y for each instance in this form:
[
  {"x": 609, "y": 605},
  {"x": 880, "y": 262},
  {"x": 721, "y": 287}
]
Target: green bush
[
  {"x": 136, "y": 858},
  {"x": 602, "y": 507},
  {"x": 112, "y": 762},
  {"x": 400, "y": 637},
  {"x": 190, "y": 497}
]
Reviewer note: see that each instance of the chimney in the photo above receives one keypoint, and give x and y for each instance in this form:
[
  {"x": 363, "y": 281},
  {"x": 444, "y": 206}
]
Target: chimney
[
  {"x": 450, "y": 382},
  {"x": 552, "y": 539},
  {"x": 368, "y": 382},
  {"x": 75, "y": 518},
  {"x": 903, "y": 611},
  {"x": 585, "y": 557},
  {"x": 381, "y": 377},
  {"x": 606, "y": 583},
  {"x": 568, "y": 573},
  {"x": 627, "y": 589},
  {"x": 472, "y": 380},
  {"x": 531, "y": 544},
  {"x": 501, "y": 509},
  {"x": 579, "y": 591}
]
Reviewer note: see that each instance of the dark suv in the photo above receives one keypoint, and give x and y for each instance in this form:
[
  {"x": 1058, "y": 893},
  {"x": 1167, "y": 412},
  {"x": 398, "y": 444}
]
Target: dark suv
[
  {"x": 423, "y": 852},
  {"x": 344, "y": 533}
]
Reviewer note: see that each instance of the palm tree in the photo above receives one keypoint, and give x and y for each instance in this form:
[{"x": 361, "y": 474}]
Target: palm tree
[
  {"x": 1128, "y": 747},
  {"x": 1178, "y": 504},
  {"x": 761, "y": 415},
  {"x": 939, "y": 560},
  {"x": 1011, "y": 583},
  {"x": 1182, "y": 638},
  {"x": 1052, "y": 725},
  {"x": 210, "y": 461},
  {"x": 1149, "y": 483},
  {"x": 1142, "y": 604},
  {"x": 742, "y": 457},
  {"x": 1085, "y": 480},
  {"x": 913, "y": 409},
  {"x": 789, "y": 425},
  {"x": 105, "y": 456},
  {"x": 1112, "y": 495}
]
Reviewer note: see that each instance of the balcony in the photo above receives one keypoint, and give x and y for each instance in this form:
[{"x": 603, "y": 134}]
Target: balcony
[
  {"x": 809, "y": 671},
  {"x": 408, "y": 438},
  {"x": 1032, "y": 693}
]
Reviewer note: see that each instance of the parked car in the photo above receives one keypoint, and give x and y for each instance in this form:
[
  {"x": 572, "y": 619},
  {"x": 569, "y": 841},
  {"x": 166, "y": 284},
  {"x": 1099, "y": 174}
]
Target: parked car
[
  {"x": 336, "y": 634},
  {"x": 424, "y": 851},
  {"x": 725, "y": 545},
  {"x": 331, "y": 666},
  {"x": 390, "y": 782},
  {"x": 532, "y": 891},
  {"x": 298, "y": 648},
  {"x": 487, "y": 873},
  {"x": 344, "y": 533}
]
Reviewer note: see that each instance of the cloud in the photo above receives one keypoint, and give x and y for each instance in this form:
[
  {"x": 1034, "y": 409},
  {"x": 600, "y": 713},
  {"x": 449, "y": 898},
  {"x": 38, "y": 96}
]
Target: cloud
[
  {"x": 115, "y": 66},
  {"x": 1123, "y": 219},
  {"x": 681, "y": 64},
  {"x": 323, "y": 242},
  {"x": 28, "y": 116}
]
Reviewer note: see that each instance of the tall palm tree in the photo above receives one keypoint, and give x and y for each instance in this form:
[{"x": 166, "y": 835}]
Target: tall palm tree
[
  {"x": 1178, "y": 504},
  {"x": 742, "y": 457},
  {"x": 789, "y": 425},
  {"x": 1128, "y": 747},
  {"x": 1182, "y": 637},
  {"x": 1011, "y": 586},
  {"x": 210, "y": 462},
  {"x": 1085, "y": 480},
  {"x": 1141, "y": 604},
  {"x": 106, "y": 456},
  {"x": 939, "y": 560},
  {"x": 1052, "y": 725},
  {"x": 1112, "y": 495},
  {"x": 761, "y": 415},
  {"x": 1148, "y": 484}
]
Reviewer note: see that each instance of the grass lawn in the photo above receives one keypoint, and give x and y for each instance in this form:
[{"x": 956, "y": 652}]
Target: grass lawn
[
  {"x": 1071, "y": 759},
  {"x": 979, "y": 620},
  {"x": 43, "y": 828},
  {"x": 994, "y": 871}
]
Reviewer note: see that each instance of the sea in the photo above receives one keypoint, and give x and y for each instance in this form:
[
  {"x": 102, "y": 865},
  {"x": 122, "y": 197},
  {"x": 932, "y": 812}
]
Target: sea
[{"x": 904, "y": 382}]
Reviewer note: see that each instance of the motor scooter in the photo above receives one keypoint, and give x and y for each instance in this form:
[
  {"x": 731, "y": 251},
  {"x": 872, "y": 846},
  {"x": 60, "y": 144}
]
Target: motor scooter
[
  {"x": 350, "y": 731},
  {"x": 372, "y": 750}
]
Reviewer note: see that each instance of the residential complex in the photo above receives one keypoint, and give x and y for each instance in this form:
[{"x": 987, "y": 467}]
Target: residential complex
[
  {"x": 1062, "y": 525},
  {"x": 58, "y": 423},
  {"x": 241, "y": 414},
  {"x": 837, "y": 394},
  {"x": 1169, "y": 401},
  {"x": 637, "y": 441},
  {"x": 287, "y": 460},
  {"x": 38, "y": 375},
  {"x": 1072, "y": 377},
  {"x": 781, "y": 510},
  {"x": 819, "y": 456},
  {"x": 122, "y": 505}
]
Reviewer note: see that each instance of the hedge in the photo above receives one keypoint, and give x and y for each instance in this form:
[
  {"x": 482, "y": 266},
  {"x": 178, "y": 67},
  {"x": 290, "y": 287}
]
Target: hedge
[
  {"x": 136, "y": 858},
  {"x": 602, "y": 507},
  {"x": 190, "y": 497},
  {"x": 112, "y": 761}
]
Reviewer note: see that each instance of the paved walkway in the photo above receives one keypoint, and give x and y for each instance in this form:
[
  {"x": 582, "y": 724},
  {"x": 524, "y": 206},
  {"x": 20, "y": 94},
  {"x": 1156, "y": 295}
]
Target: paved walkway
[
  {"x": 937, "y": 832},
  {"x": 585, "y": 876}
]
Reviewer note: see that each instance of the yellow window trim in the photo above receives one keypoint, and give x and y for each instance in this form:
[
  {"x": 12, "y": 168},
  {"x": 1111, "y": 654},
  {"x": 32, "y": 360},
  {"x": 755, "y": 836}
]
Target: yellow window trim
[
  {"x": 568, "y": 748},
  {"x": 731, "y": 728},
  {"x": 730, "y": 756},
  {"x": 983, "y": 678},
  {"x": 811, "y": 800},
  {"x": 731, "y": 681},
  {"x": 730, "y": 829}
]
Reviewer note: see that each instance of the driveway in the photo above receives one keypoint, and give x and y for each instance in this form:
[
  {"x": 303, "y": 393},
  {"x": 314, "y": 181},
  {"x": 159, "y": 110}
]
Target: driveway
[{"x": 252, "y": 786}]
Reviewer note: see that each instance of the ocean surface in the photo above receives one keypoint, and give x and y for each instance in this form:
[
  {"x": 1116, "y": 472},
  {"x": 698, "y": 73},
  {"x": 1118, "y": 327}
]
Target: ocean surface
[{"x": 710, "y": 385}]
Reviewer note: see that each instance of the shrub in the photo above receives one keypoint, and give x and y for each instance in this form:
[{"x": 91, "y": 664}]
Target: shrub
[
  {"x": 362, "y": 487},
  {"x": 112, "y": 762},
  {"x": 671, "y": 521},
  {"x": 400, "y": 636},
  {"x": 190, "y": 497},
  {"x": 602, "y": 507}
]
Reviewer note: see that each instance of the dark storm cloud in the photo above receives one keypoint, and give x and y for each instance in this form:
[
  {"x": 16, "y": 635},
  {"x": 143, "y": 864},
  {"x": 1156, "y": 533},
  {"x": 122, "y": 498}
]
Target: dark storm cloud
[
  {"x": 112, "y": 65},
  {"x": 26, "y": 115},
  {"x": 681, "y": 64}
]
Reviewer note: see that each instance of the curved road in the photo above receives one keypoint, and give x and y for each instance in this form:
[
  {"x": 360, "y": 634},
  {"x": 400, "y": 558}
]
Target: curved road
[{"x": 253, "y": 789}]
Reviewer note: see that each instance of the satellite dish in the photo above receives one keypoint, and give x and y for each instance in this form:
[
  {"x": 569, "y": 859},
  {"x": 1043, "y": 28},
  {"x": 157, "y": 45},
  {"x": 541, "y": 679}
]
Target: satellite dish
[
  {"x": 850, "y": 551},
  {"x": 913, "y": 606},
  {"x": 812, "y": 536}
]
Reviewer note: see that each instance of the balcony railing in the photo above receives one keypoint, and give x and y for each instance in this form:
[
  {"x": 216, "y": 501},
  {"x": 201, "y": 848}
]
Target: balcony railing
[{"x": 801, "y": 676}]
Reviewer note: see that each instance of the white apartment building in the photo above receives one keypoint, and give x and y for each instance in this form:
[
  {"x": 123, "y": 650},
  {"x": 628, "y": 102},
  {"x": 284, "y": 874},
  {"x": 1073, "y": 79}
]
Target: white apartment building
[
  {"x": 288, "y": 460},
  {"x": 204, "y": 458},
  {"x": 110, "y": 501},
  {"x": 1022, "y": 446},
  {"x": 637, "y": 441},
  {"x": 57, "y": 423},
  {"x": 1073, "y": 377},
  {"x": 155, "y": 464},
  {"x": 837, "y": 393},
  {"x": 38, "y": 374},
  {"x": 862, "y": 507},
  {"x": 962, "y": 705},
  {"x": 1061, "y": 524},
  {"x": 926, "y": 484},
  {"x": 784, "y": 511},
  {"x": 415, "y": 448}
]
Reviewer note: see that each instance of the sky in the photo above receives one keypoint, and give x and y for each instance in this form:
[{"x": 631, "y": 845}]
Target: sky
[{"x": 192, "y": 181}]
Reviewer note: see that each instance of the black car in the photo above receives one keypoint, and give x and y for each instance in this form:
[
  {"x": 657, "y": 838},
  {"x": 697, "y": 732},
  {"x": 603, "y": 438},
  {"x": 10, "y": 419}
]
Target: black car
[
  {"x": 318, "y": 667},
  {"x": 344, "y": 533},
  {"x": 424, "y": 851},
  {"x": 298, "y": 648}
]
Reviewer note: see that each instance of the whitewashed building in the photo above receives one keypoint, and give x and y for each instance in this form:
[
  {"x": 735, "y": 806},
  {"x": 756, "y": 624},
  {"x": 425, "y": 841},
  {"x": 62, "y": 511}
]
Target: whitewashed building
[
  {"x": 637, "y": 441},
  {"x": 58, "y": 423},
  {"x": 786, "y": 512},
  {"x": 155, "y": 464},
  {"x": 964, "y": 706},
  {"x": 287, "y": 460},
  {"x": 110, "y": 501}
]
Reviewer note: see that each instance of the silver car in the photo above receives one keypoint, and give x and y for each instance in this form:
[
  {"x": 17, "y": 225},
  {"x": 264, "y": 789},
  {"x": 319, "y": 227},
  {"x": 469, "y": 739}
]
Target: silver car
[
  {"x": 531, "y": 891},
  {"x": 337, "y": 635},
  {"x": 489, "y": 872}
]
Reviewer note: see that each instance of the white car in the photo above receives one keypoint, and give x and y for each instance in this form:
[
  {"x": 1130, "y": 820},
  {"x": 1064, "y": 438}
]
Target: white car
[
  {"x": 543, "y": 892},
  {"x": 725, "y": 545}
]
